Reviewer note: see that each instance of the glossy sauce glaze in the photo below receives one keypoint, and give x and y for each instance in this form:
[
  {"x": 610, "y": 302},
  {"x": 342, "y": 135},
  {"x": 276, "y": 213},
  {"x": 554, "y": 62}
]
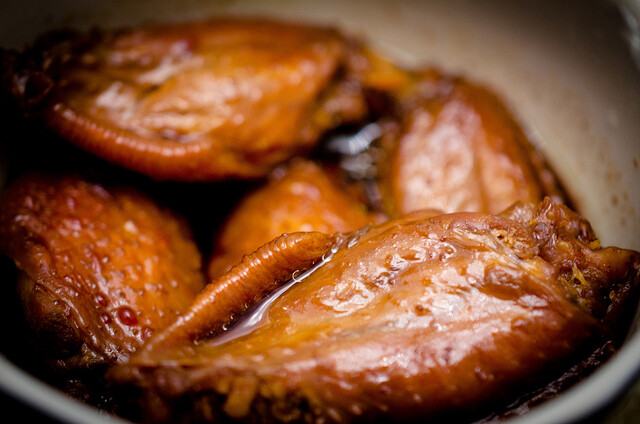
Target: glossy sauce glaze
[
  {"x": 199, "y": 101},
  {"x": 257, "y": 315},
  {"x": 298, "y": 197},
  {"x": 456, "y": 147},
  {"x": 101, "y": 269},
  {"x": 347, "y": 316},
  {"x": 436, "y": 312}
]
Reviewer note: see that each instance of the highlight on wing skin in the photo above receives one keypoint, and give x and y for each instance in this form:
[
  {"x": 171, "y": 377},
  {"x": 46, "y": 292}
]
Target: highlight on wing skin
[{"x": 101, "y": 269}]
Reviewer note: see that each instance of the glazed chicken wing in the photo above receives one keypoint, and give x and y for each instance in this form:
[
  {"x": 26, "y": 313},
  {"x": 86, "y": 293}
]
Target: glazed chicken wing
[
  {"x": 456, "y": 147},
  {"x": 410, "y": 319},
  {"x": 100, "y": 269},
  {"x": 195, "y": 101},
  {"x": 298, "y": 197}
]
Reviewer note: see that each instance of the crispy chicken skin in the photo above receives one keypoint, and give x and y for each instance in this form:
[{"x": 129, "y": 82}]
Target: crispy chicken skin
[
  {"x": 211, "y": 100},
  {"x": 412, "y": 318},
  {"x": 298, "y": 197},
  {"x": 100, "y": 269},
  {"x": 456, "y": 147}
]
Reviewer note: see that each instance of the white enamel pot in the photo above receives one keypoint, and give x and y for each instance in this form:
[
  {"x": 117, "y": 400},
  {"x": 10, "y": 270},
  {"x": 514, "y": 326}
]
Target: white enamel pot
[{"x": 567, "y": 69}]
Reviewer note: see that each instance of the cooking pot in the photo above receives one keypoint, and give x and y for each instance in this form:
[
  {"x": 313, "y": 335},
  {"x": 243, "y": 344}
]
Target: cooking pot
[{"x": 567, "y": 69}]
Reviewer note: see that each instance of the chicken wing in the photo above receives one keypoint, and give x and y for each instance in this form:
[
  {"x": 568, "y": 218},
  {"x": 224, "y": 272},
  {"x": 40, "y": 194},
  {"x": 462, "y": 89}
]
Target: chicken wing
[
  {"x": 414, "y": 318},
  {"x": 195, "y": 101},
  {"x": 298, "y": 197},
  {"x": 456, "y": 147},
  {"x": 100, "y": 269}
]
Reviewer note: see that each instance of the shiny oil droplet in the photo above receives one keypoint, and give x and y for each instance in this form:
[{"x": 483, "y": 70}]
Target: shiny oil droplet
[
  {"x": 146, "y": 333},
  {"x": 294, "y": 276},
  {"x": 101, "y": 299},
  {"x": 106, "y": 318},
  {"x": 421, "y": 310},
  {"x": 127, "y": 316}
]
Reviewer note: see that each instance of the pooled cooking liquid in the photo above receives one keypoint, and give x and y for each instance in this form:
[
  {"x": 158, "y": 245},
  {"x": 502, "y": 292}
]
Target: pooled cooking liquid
[
  {"x": 258, "y": 315},
  {"x": 340, "y": 290}
]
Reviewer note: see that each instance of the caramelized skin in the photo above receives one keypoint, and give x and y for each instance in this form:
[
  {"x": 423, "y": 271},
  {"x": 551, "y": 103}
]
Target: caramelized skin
[
  {"x": 101, "y": 270},
  {"x": 300, "y": 197},
  {"x": 457, "y": 148},
  {"x": 196, "y": 101},
  {"x": 409, "y": 319}
]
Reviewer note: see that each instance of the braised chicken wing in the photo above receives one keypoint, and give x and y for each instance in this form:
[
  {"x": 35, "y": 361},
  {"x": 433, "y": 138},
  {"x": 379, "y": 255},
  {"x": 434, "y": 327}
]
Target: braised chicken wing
[
  {"x": 410, "y": 319},
  {"x": 195, "y": 101},
  {"x": 100, "y": 269},
  {"x": 298, "y": 197},
  {"x": 456, "y": 147}
]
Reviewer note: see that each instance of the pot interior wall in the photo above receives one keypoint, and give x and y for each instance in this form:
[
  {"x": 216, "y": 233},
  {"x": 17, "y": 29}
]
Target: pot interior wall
[{"x": 563, "y": 67}]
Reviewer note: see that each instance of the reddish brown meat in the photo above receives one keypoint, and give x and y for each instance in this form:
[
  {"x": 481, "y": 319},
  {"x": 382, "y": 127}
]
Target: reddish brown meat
[
  {"x": 100, "y": 269},
  {"x": 299, "y": 197},
  {"x": 410, "y": 319},
  {"x": 194, "y": 101},
  {"x": 456, "y": 147}
]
